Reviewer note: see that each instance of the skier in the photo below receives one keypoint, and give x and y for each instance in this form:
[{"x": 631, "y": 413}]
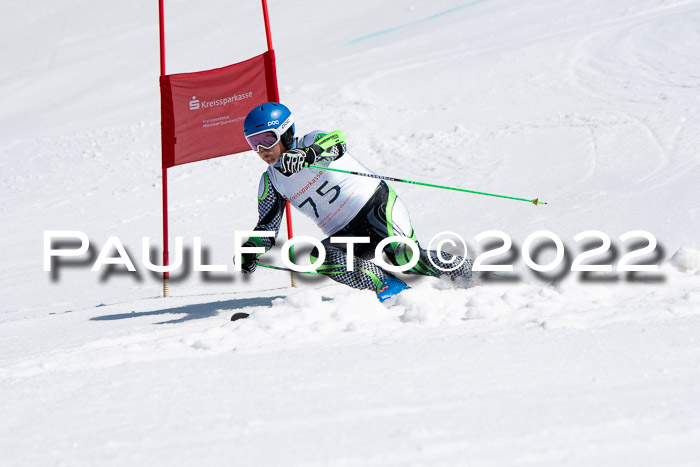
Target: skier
[{"x": 342, "y": 205}]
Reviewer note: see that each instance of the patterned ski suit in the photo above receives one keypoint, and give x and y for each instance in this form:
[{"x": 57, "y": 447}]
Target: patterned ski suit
[{"x": 344, "y": 205}]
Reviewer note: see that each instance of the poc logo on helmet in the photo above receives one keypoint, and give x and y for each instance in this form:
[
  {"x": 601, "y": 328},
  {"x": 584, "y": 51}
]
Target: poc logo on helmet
[{"x": 273, "y": 122}]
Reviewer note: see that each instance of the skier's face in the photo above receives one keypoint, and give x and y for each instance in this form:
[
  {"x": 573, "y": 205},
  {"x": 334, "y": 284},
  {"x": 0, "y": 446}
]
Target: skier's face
[{"x": 272, "y": 155}]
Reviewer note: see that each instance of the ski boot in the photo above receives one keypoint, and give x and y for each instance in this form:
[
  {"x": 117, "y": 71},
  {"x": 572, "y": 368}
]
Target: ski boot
[{"x": 390, "y": 288}]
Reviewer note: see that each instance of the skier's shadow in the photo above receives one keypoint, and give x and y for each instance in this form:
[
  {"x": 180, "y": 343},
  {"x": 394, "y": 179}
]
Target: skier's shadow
[{"x": 195, "y": 311}]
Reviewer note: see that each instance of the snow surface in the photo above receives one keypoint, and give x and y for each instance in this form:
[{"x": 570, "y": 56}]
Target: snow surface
[{"x": 590, "y": 105}]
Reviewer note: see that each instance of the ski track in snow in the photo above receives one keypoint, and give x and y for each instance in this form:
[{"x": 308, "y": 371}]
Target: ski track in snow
[{"x": 609, "y": 55}]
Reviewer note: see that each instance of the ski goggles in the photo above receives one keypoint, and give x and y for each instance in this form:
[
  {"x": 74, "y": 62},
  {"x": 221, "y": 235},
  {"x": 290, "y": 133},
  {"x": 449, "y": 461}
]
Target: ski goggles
[
  {"x": 265, "y": 139},
  {"x": 268, "y": 137}
]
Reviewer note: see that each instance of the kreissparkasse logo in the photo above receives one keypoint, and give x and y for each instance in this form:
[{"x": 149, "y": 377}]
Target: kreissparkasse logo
[{"x": 196, "y": 104}]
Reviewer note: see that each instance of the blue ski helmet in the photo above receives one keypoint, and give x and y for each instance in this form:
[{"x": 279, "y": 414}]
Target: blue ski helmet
[{"x": 267, "y": 124}]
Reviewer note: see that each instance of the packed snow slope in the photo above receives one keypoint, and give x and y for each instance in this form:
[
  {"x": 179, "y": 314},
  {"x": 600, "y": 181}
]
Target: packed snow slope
[{"x": 592, "y": 106}]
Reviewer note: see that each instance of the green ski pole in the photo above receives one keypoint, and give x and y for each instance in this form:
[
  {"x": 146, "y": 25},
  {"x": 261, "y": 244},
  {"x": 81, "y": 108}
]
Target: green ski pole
[
  {"x": 270, "y": 266},
  {"x": 535, "y": 201},
  {"x": 336, "y": 137}
]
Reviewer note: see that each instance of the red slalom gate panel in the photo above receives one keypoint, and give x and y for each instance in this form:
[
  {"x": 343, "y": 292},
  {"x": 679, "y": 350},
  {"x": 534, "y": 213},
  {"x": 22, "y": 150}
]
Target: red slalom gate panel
[{"x": 202, "y": 113}]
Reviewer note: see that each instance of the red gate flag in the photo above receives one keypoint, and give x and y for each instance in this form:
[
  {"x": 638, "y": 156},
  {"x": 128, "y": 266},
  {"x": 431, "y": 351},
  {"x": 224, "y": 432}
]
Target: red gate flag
[{"x": 202, "y": 113}]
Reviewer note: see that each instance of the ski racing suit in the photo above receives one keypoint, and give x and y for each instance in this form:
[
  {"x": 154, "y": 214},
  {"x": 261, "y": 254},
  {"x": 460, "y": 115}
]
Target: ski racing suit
[{"x": 344, "y": 205}]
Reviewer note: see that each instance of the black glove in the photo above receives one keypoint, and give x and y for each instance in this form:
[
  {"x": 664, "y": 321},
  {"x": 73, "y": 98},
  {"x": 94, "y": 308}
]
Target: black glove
[
  {"x": 249, "y": 261},
  {"x": 293, "y": 160}
]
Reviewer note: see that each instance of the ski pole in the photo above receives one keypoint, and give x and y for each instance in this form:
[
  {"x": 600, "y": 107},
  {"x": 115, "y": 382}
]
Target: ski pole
[
  {"x": 336, "y": 137},
  {"x": 269, "y": 266},
  {"x": 535, "y": 201}
]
